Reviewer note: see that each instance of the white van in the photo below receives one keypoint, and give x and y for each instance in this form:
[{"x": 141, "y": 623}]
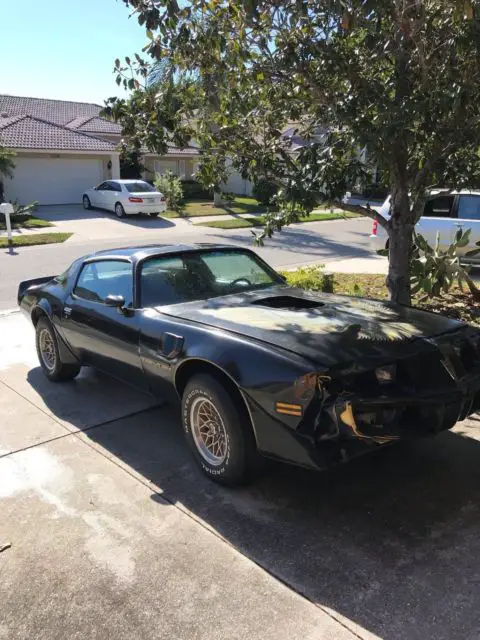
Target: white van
[{"x": 444, "y": 212}]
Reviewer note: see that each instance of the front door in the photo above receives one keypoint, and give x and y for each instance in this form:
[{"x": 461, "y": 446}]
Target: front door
[{"x": 105, "y": 337}]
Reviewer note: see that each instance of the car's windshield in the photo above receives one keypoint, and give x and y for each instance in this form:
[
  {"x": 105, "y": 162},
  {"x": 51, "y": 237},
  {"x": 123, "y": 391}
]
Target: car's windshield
[
  {"x": 139, "y": 187},
  {"x": 203, "y": 274}
]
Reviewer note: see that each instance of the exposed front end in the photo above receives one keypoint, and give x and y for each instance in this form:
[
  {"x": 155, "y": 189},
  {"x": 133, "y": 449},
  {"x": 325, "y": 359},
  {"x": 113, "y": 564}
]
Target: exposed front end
[{"x": 357, "y": 408}]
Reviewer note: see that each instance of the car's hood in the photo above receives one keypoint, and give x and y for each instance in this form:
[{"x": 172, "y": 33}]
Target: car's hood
[{"x": 329, "y": 330}]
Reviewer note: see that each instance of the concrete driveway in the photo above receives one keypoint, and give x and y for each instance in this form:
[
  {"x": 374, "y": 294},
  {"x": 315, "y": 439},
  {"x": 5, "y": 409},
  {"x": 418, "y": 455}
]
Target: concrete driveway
[
  {"x": 115, "y": 534},
  {"x": 96, "y": 224}
]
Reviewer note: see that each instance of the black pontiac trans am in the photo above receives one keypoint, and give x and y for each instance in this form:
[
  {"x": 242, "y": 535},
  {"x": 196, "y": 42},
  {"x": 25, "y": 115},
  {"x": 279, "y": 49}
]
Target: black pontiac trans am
[{"x": 261, "y": 369}]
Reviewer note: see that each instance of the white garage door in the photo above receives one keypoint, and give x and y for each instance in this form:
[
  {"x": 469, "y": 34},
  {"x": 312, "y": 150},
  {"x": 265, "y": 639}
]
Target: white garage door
[{"x": 52, "y": 180}]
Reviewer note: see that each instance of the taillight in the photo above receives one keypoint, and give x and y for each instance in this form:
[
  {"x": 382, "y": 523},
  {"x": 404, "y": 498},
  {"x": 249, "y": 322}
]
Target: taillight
[
  {"x": 162, "y": 199},
  {"x": 375, "y": 228},
  {"x": 135, "y": 199}
]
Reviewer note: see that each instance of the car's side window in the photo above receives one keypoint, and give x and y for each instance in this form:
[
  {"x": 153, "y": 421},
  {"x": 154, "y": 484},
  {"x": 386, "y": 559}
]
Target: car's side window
[
  {"x": 115, "y": 186},
  {"x": 469, "y": 208},
  {"x": 102, "y": 186},
  {"x": 102, "y": 278},
  {"x": 439, "y": 207}
]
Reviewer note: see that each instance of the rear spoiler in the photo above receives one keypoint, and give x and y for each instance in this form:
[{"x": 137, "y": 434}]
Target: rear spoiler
[{"x": 27, "y": 284}]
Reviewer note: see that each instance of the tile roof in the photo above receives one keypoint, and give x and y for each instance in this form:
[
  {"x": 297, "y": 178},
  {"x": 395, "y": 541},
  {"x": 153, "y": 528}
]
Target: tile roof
[
  {"x": 56, "y": 111},
  {"x": 27, "y": 132},
  {"x": 5, "y": 122},
  {"x": 74, "y": 115},
  {"x": 39, "y": 123},
  {"x": 100, "y": 125},
  {"x": 77, "y": 122}
]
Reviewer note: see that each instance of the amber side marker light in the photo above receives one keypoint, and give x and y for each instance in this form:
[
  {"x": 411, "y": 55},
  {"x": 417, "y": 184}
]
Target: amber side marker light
[{"x": 289, "y": 409}]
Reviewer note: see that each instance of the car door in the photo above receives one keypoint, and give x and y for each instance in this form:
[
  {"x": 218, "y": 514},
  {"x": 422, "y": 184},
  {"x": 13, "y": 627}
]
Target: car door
[
  {"x": 112, "y": 194},
  {"x": 438, "y": 217},
  {"x": 98, "y": 195},
  {"x": 103, "y": 336},
  {"x": 468, "y": 217}
]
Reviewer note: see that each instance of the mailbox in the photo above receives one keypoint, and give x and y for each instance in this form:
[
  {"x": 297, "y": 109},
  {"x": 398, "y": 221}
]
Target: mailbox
[{"x": 7, "y": 209}]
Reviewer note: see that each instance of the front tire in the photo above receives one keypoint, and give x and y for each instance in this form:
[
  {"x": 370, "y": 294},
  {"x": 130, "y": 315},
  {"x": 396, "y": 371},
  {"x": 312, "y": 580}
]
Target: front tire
[
  {"x": 49, "y": 355},
  {"x": 119, "y": 210},
  {"x": 218, "y": 431},
  {"x": 86, "y": 203}
]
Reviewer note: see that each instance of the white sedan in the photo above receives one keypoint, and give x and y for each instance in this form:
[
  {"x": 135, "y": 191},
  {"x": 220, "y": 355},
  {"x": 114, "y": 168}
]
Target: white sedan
[{"x": 125, "y": 197}]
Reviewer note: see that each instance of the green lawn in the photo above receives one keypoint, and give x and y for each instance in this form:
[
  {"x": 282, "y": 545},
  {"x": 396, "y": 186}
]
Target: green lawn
[
  {"x": 456, "y": 304},
  {"x": 26, "y": 221},
  {"x": 194, "y": 208},
  {"x": 238, "y": 223},
  {"x": 37, "y": 238}
]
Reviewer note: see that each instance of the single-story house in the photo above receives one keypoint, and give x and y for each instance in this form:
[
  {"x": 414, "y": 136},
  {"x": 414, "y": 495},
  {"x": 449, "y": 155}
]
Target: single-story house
[{"x": 63, "y": 148}]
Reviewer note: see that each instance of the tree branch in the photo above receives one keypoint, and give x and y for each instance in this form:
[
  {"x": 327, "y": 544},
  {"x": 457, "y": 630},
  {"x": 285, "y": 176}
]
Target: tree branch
[{"x": 363, "y": 211}]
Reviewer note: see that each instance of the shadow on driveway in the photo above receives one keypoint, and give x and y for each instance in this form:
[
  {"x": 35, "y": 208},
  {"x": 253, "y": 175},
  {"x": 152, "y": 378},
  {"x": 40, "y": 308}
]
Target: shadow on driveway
[{"x": 389, "y": 541}]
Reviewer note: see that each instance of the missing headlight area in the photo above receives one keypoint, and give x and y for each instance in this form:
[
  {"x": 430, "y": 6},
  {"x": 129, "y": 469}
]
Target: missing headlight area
[{"x": 416, "y": 396}]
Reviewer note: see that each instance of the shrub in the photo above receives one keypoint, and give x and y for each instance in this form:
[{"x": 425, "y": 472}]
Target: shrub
[
  {"x": 21, "y": 212},
  {"x": 434, "y": 270},
  {"x": 193, "y": 190},
  {"x": 24, "y": 210},
  {"x": 228, "y": 196},
  {"x": 263, "y": 190},
  {"x": 171, "y": 187},
  {"x": 311, "y": 278}
]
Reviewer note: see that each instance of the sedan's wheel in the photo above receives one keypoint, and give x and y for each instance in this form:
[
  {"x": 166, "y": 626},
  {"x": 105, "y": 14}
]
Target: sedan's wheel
[
  {"x": 218, "y": 431},
  {"x": 155, "y": 214},
  {"x": 49, "y": 356},
  {"x": 119, "y": 210},
  {"x": 86, "y": 202}
]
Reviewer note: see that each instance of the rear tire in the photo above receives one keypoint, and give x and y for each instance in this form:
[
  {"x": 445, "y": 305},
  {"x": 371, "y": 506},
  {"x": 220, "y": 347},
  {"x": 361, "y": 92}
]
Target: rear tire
[
  {"x": 119, "y": 210},
  {"x": 218, "y": 431},
  {"x": 86, "y": 202},
  {"x": 49, "y": 355}
]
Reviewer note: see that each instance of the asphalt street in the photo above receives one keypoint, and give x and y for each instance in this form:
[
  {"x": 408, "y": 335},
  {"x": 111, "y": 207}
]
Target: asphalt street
[{"x": 300, "y": 244}]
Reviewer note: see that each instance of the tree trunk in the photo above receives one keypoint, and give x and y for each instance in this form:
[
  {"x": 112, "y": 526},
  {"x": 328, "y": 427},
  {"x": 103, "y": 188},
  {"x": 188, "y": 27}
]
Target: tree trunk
[
  {"x": 217, "y": 199},
  {"x": 400, "y": 228}
]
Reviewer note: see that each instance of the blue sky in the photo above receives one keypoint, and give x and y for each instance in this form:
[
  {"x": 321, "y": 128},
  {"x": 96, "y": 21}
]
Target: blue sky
[{"x": 65, "y": 49}]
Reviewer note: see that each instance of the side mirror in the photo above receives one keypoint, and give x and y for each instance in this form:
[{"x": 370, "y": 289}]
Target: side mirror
[{"x": 115, "y": 301}]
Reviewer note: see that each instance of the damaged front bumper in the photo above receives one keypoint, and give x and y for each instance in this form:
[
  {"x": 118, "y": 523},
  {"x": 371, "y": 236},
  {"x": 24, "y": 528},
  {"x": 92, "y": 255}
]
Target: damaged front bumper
[{"x": 431, "y": 392}]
